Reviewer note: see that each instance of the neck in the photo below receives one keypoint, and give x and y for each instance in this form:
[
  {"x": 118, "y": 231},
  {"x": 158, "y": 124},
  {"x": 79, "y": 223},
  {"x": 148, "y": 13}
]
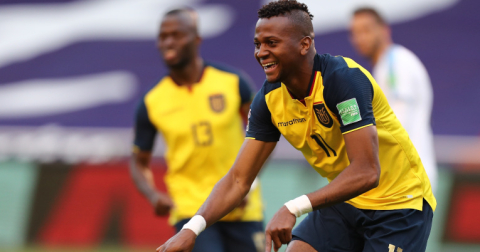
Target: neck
[
  {"x": 297, "y": 83},
  {"x": 383, "y": 47},
  {"x": 189, "y": 74}
]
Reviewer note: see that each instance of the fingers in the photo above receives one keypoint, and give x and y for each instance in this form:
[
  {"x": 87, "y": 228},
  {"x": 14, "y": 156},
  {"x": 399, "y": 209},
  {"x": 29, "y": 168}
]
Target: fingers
[
  {"x": 159, "y": 249},
  {"x": 276, "y": 242},
  {"x": 162, "y": 209},
  {"x": 268, "y": 241},
  {"x": 286, "y": 236},
  {"x": 278, "y": 238}
]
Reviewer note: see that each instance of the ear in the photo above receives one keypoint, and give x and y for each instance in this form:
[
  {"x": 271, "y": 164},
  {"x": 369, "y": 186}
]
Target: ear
[
  {"x": 198, "y": 40},
  {"x": 306, "y": 43},
  {"x": 388, "y": 31}
]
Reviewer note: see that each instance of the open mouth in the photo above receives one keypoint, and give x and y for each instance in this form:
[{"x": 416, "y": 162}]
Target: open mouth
[
  {"x": 170, "y": 54},
  {"x": 269, "y": 66}
]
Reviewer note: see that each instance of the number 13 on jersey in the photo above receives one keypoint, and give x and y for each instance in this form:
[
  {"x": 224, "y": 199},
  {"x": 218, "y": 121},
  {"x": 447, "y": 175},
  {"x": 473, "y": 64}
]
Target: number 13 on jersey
[{"x": 202, "y": 133}]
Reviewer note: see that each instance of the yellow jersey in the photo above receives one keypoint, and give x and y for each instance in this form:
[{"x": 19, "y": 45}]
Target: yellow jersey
[
  {"x": 343, "y": 97},
  {"x": 203, "y": 132}
]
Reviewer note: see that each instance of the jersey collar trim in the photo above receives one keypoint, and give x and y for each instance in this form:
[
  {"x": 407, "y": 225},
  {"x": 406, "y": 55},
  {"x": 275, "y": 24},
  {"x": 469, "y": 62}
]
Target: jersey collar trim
[{"x": 313, "y": 77}]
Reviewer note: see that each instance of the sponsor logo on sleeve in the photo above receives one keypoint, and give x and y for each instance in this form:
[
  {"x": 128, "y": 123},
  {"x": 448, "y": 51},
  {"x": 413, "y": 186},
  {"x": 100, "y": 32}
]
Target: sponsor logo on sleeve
[{"x": 349, "y": 111}]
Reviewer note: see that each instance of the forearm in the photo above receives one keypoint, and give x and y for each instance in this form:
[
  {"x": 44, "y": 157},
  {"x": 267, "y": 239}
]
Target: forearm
[
  {"x": 362, "y": 175},
  {"x": 227, "y": 194},
  {"x": 347, "y": 185},
  {"x": 143, "y": 178}
]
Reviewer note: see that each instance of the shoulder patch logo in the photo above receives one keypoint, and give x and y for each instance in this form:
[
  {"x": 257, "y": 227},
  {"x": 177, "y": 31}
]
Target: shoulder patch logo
[
  {"x": 349, "y": 111},
  {"x": 322, "y": 115},
  {"x": 217, "y": 102}
]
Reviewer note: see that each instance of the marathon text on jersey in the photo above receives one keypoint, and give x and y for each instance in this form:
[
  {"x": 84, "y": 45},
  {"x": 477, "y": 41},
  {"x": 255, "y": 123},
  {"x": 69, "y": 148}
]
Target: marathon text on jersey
[{"x": 291, "y": 122}]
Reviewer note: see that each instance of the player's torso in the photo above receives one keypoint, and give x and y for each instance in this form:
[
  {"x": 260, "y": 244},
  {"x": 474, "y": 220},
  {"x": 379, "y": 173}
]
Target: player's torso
[
  {"x": 195, "y": 121},
  {"x": 203, "y": 133},
  {"x": 315, "y": 131},
  {"x": 310, "y": 128}
]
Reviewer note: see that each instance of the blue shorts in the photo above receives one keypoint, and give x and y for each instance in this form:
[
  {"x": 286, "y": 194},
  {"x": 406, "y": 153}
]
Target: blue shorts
[
  {"x": 225, "y": 236},
  {"x": 343, "y": 227}
]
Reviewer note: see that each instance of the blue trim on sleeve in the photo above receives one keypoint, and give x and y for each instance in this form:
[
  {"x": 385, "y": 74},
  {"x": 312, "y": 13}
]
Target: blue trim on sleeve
[
  {"x": 245, "y": 86},
  {"x": 260, "y": 126},
  {"x": 344, "y": 83},
  {"x": 145, "y": 131}
]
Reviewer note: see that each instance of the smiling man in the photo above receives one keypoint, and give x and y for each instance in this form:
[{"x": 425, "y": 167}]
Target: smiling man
[
  {"x": 198, "y": 108},
  {"x": 330, "y": 108}
]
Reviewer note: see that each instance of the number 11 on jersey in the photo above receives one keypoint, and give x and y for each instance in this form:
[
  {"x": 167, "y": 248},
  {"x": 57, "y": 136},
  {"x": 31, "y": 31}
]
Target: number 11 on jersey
[{"x": 391, "y": 248}]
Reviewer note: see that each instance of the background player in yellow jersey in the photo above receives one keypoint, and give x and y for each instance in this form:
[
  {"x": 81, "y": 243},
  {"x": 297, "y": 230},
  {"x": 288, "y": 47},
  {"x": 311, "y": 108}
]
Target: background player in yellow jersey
[
  {"x": 198, "y": 109},
  {"x": 379, "y": 197}
]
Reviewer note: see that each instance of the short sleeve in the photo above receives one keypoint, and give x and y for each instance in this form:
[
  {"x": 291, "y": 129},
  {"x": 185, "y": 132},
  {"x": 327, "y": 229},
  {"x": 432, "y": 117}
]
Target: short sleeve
[
  {"x": 348, "y": 94},
  {"x": 245, "y": 86},
  {"x": 260, "y": 126},
  {"x": 145, "y": 131}
]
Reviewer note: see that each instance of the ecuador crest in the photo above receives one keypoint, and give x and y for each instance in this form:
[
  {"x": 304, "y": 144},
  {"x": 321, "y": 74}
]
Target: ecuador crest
[
  {"x": 217, "y": 102},
  {"x": 322, "y": 115}
]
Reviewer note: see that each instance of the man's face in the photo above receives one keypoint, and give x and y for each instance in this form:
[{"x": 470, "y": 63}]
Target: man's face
[
  {"x": 177, "y": 41},
  {"x": 366, "y": 34},
  {"x": 277, "y": 47}
]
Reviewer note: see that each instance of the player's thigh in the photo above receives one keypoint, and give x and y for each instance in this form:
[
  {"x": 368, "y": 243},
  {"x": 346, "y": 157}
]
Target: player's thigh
[
  {"x": 210, "y": 240},
  {"x": 399, "y": 230},
  {"x": 330, "y": 229},
  {"x": 240, "y": 236},
  {"x": 300, "y": 246}
]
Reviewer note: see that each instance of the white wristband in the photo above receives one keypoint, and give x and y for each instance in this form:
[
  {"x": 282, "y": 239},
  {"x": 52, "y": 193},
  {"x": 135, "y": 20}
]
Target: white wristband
[
  {"x": 197, "y": 224},
  {"x": 299, "y": 206}
]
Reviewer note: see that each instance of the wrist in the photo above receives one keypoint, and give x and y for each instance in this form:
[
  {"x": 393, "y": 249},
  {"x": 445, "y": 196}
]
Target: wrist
[
  {"x": 153, "y": 198},
  {"x": 299, "y": 206},
  {"x": 197, "y": 224}
]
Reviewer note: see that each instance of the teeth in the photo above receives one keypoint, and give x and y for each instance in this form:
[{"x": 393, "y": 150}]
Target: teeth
[
  {"x": 269, "y": 64},
  {"x": 170, "y": 53}
]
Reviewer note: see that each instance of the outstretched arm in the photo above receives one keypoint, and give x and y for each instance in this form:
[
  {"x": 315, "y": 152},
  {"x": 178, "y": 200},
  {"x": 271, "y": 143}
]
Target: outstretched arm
[
  {"x": 140, "y": 171},
  {"x": 227, "y": 193},
  {"x": 360, "y": 176},
  {"x": 142, "y": 175},
  {"x": 232, "y": 188}
]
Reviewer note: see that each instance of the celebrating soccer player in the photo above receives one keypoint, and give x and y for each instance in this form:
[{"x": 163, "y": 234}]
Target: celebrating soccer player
[
  {"x": 196, "y": 108},
  {"x": 379, "y": 197}
]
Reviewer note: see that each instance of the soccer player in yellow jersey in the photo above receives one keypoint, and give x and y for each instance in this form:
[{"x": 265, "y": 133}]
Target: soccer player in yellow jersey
[
  {"x": 198, "y": 109},
  {"x": 330, "y": 108}
]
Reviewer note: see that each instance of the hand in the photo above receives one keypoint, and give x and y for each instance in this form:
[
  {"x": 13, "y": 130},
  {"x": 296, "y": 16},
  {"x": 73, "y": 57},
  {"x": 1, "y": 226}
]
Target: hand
[
  {"x": 163, "y": 204},
  {"x": 279, "y": 229},
  {"x": 183, "y": 241}
]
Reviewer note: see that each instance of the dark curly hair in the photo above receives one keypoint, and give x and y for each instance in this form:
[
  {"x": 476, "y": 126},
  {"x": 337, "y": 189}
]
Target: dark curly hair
[
  {"x": 282, "y": 7},
  {"x": 371, "y": 11}
]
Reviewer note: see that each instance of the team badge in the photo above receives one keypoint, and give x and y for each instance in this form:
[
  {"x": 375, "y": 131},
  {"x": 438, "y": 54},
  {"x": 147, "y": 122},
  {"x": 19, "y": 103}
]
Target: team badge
[
  {"x": 322, "y": 115},
  {"x": 217, "y": 102}
]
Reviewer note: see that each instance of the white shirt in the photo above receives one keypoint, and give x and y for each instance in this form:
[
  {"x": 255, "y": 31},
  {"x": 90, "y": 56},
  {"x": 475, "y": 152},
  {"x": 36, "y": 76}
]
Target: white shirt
[{"x": 406, "y": 84}]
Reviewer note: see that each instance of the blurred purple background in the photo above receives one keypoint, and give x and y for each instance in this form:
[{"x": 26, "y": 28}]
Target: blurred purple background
[{"x": 446, "y": 41}]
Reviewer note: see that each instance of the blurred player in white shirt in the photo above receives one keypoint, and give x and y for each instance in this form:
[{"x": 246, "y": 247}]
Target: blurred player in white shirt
[{"x": 403, "y": 79}]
